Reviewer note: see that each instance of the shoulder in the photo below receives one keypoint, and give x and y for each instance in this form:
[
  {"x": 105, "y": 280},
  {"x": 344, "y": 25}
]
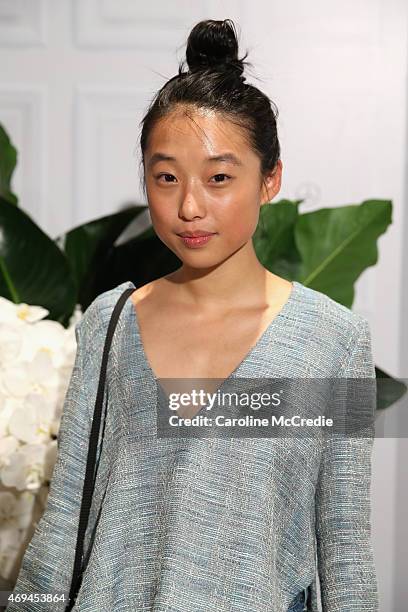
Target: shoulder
[
  {"x": 331, "y": 324},
  {"x": 95, "y": 319},
  {"x": 328, "y": 312}
]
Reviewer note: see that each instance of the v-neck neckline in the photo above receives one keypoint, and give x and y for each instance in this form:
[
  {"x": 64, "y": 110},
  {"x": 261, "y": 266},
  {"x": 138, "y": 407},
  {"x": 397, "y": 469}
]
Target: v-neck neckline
[{"x": 272, "y": 325}]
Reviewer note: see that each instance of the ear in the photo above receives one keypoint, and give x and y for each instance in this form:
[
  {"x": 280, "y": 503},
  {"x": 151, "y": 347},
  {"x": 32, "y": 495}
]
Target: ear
[{"x": 272, "y": 183}]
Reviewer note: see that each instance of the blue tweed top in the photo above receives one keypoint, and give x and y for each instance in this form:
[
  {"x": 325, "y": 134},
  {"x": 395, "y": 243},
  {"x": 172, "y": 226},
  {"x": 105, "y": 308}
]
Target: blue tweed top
[{"x": 199, "y": 525}]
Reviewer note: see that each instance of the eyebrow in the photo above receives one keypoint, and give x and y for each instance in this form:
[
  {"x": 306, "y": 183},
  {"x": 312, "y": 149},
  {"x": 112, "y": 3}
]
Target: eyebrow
[{"x": 224, "y": 157}]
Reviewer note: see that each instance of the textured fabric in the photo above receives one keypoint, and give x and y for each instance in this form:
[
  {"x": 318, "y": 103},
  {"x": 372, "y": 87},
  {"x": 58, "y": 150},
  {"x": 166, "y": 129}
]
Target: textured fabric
[
  {"x": 208, "y": 525},
  {"x": 299, "y": 603}
]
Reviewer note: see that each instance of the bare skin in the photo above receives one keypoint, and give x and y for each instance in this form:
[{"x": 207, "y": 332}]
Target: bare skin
[
  {"x": 202, "y": 320},
  {"x": 183, "y": 341}
]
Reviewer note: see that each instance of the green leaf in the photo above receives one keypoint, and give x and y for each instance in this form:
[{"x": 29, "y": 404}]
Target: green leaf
[
  {"x": 32, "y": 268},
  {"x": 337, "y": 244},
  {"x": 389, "y": 389},
  {"x": 86, "y": 247},
  {"x": 8, "y": 161},
  {"x": 274, "y": 241},
  {"x": 141, "y": 259}
]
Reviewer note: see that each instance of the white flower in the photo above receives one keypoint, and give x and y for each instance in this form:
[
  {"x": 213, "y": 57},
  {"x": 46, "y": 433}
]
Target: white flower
[
  {"x": 10, "y": 312},
  {"x": 6, "y": 410},
  {"x": 16, "y": 516},
  {"x": 8, "y": 446},
  {"x": 32, "y": 419},
  {"x": 16, "y": 511},
  {"x": 36, "y": 376},
  {"x": 30, "y": 466},
  {"x": 11, "y": 336},
  {"x": 26, "y": 467},
  {"x": 36, "y": 360}
]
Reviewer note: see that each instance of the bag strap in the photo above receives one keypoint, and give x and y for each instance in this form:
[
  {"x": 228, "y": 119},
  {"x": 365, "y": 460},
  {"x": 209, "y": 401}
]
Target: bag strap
[{"x": 89, "y": 482}]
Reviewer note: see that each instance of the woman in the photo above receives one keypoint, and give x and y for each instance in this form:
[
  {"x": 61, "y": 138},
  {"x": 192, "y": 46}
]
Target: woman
[{"x": 227, "y": 524}]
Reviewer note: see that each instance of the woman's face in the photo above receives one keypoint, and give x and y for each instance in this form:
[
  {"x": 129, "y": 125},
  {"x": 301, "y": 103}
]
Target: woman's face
[{"x": 189, "y": 191}]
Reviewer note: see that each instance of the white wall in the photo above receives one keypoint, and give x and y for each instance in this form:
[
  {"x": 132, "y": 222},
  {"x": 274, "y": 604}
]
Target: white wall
[{"x": 76, "y": 77}]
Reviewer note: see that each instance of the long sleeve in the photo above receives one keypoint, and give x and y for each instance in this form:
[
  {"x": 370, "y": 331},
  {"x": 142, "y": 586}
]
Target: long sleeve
[
  {"x": 346, "y": 568},
  {"x": 48, "y": 561}
]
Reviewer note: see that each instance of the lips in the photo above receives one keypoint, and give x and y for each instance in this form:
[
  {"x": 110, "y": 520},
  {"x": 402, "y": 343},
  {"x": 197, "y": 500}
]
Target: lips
[{"x": 196, "y": 234}]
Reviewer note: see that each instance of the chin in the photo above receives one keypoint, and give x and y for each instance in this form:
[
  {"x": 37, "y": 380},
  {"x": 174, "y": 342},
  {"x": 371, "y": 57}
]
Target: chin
[{"x": 200, "y": 263}]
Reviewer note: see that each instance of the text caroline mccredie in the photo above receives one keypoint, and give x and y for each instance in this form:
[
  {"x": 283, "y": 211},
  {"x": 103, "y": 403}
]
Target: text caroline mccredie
[{"x": 251, "y": 421}]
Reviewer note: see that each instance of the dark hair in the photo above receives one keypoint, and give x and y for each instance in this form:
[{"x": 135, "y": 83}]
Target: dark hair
[{"x": 215, "y": 81}]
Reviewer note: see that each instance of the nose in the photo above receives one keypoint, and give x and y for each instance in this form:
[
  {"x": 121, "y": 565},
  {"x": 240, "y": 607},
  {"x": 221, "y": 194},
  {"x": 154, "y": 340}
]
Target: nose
[{"x": 191, "y": 206}]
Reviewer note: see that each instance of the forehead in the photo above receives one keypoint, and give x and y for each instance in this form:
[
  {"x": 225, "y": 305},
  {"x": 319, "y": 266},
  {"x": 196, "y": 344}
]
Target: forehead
[{"x": 204, "y": 128}]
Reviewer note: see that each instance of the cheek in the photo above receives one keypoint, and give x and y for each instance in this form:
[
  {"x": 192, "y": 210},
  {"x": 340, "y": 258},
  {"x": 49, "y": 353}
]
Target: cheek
[
  {"x": 161, "y": 215},
  {"x": 239, "y": 220}
]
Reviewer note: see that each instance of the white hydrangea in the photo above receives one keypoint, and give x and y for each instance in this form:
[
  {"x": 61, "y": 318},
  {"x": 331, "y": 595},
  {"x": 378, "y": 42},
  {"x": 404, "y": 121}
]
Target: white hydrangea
[{"x": 36, "y": 361}]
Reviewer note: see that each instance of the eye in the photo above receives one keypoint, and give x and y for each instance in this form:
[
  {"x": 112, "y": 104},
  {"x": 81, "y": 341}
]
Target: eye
[
  {"x": 221, "y": 175},
  {"x": 171, "y": 175},
  {"x": 164, "y": 174}
]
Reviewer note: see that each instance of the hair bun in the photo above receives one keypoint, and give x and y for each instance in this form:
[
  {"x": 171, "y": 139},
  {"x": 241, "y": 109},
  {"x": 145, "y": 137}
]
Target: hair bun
[{"x": 213, "y": 44}]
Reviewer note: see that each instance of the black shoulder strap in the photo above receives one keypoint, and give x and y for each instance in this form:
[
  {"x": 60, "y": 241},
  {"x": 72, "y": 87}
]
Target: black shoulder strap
[{"x": 89, "y": 481}]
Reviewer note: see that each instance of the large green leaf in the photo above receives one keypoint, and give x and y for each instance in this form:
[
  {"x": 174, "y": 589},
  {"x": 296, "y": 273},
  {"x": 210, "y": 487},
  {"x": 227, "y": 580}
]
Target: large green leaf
[
  {"x": 8, "y": 161},
  {"x": 87, "y": 245},
  {"x": 141, "y": 259},
  {"x": 32, "y": 268},
  {"x": 337, "y": 244},
  {"x": 274, "y": 241},
  {"x": 389, "y": 389}
]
